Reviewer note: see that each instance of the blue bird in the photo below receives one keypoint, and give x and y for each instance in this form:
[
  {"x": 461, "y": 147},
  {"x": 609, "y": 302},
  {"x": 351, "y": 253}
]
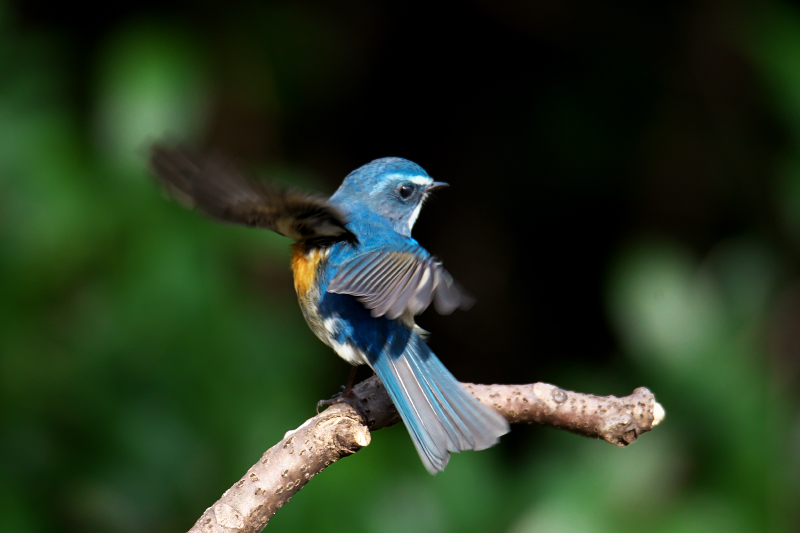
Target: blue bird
[{"x": 360, "y": 279}]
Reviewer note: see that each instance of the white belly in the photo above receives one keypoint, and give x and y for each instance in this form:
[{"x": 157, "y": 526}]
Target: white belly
[{"x": 346, "y": 351}]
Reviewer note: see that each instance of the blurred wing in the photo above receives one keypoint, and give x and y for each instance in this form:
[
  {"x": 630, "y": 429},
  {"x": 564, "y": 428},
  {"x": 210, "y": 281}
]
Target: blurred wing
[
  {"x": 216, "y": 188},
  {"x": 391, "y": 283}
]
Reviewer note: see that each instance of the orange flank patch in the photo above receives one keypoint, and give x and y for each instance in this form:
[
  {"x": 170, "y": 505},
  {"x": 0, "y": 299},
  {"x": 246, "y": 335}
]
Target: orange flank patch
[{"x": 304, "y": 267}]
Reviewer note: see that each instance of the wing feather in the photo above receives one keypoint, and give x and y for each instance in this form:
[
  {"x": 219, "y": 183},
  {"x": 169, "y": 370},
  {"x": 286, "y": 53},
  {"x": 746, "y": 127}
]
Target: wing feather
[
  {"x": 393, "y": 283},
  {"x": 218, "y": 189}
]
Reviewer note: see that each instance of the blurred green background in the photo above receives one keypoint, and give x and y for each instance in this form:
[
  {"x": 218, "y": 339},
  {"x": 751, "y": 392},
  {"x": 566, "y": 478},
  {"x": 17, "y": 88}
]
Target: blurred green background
[{"x": 625, "y": 205}]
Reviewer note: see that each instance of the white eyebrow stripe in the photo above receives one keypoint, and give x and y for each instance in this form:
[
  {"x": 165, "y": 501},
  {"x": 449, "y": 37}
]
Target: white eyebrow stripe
[{"x": 420, "y": 180}]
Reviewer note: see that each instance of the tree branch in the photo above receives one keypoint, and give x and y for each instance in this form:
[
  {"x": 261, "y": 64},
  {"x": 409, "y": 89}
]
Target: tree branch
[{"x": 341, "y": 430}]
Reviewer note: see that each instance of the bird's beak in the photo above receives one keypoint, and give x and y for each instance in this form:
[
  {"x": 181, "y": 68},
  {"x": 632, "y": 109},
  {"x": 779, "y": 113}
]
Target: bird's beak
[{"x": 436, "y": 185}]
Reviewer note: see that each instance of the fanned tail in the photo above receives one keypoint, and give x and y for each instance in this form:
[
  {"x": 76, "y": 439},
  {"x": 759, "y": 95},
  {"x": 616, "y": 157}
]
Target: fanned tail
[{"x": 441, "y": 416}]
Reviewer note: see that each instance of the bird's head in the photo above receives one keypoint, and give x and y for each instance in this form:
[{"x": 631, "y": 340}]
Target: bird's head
[{"x": 391, "y": 187}]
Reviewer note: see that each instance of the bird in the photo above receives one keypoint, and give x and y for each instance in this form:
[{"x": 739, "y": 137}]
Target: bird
[{"x": 360, "y": 280}]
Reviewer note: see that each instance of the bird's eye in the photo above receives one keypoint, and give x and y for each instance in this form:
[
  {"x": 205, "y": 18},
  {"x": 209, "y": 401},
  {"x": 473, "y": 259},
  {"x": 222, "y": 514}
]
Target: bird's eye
[{"x": 405, "y": 191}]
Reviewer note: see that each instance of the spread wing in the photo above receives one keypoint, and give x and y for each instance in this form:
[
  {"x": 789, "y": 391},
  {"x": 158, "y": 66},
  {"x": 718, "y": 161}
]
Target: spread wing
[
  {"x": 216, "y": 188},
  {"x": 391, "y": 283}
]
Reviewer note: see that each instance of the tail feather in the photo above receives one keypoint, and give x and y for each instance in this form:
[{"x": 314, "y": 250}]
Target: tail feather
[
  {"x": 441, "y": 416},
  {"x": 483, "y": 424},
  {"x": 456, "y": 429},
  {"x": 418, "y": 410}
]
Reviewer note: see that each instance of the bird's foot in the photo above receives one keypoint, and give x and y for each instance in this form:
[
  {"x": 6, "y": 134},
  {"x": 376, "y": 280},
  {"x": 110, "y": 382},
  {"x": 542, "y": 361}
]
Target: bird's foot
[
  {"x": 338, "y": 398},
  {"x": 346, "y": 396}
]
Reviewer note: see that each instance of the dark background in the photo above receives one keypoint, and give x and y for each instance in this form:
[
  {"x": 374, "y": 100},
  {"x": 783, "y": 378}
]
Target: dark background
[{"x": 625, "y": 205}]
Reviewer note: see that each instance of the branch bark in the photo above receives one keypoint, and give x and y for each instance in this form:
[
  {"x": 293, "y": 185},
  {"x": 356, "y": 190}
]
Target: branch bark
[{"x": 342, "y": 430}]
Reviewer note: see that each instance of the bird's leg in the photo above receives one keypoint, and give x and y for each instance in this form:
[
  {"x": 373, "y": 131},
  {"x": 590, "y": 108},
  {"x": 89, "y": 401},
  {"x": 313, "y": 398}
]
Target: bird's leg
[
  {"x": 348, "y": 388},
  {"x": 346, "y": 396}
]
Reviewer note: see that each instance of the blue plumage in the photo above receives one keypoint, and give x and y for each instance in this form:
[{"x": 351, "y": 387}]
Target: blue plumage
[
  {"x": 360, "y": 279},
  {"x": 441, "y": 416}
]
